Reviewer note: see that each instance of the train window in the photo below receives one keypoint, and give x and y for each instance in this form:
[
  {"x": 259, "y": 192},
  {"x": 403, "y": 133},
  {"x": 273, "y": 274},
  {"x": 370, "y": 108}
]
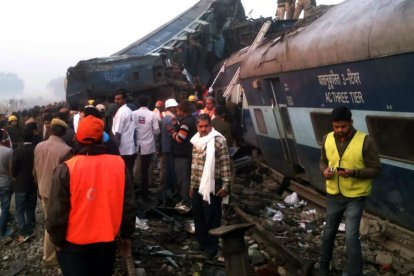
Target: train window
[
  {"x": 261, "y": 125},
  {"x": 393, "y": 136},
  {"x": 321, "y": 122},
  {"x": 286, "y": 120}
]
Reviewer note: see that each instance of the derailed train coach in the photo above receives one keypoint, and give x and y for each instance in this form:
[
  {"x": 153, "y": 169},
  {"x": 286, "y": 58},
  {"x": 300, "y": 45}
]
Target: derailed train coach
[
  {"x": 358, "y": 54},
  {"x": 154, "y": 65},
  {"x": 99, "y": 78}
]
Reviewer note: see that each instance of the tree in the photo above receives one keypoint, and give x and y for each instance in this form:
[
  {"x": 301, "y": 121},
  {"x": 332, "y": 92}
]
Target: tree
[
  {"x": 10, "y": 84},
  {"x": 56, "y": 86}
]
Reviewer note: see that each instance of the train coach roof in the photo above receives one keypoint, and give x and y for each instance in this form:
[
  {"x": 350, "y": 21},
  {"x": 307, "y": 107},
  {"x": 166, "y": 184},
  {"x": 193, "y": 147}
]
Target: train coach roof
[{"x": 351, "y": 31}]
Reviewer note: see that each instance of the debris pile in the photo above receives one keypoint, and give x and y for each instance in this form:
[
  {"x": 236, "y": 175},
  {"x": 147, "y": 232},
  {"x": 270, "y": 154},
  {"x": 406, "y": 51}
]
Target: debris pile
[
  {"x": 299, "y": 224},
  {"x": 164, "y": 243}
]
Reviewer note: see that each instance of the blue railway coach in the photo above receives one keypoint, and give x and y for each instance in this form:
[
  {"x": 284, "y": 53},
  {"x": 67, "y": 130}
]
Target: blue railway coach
[{"x": 359, "y": 54}]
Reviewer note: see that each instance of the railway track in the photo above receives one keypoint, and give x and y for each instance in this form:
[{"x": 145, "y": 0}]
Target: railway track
[
  {"x": 274, "y": 247},
  {"x": 391, "y": 236}
]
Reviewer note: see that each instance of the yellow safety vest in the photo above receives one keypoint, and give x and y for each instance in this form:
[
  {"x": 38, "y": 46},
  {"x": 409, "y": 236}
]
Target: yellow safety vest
[{"x": 351, "y": 159}]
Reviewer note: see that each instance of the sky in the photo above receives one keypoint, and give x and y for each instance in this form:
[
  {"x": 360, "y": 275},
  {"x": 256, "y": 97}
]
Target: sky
[{"x": 40, "y": 40}]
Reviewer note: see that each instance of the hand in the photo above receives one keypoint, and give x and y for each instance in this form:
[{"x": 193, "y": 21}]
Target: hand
[
  {"x": 346, "y": 173},
  {"x": 124, "y": 246},
  {"x": 327, "y": 173},
  {"x": 190, "y": 192},
  {"x": 221, "y": 193},
  {"x": 172, "y": 125},
  {"x": 117, "y": 138},
  {"x": 170, "y": 129}
]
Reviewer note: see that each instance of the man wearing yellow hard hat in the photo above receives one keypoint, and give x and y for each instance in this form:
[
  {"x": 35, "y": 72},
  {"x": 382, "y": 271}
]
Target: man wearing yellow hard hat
[
  {"x": 192, "y": 99},
  {"x": 14, "y": 131}
]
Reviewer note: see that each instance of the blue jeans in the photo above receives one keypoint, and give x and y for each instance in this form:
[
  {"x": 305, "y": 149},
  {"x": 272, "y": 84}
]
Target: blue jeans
[
  {"x": 5, "y": 197},
  {"x": 25, "y": 212},
  {"x": 336, "y": 207}
]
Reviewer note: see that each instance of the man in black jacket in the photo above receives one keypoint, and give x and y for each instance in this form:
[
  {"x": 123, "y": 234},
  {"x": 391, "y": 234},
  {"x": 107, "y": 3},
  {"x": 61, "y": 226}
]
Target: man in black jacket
[
  {"x": 181, "y": 132},
  {"x": 25, "y": 189}
]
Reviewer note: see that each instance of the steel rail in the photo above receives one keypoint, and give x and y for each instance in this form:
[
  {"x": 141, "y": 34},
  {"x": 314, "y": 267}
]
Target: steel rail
[
  {"x": 389, "y": 235},
  {"x": 295, "y": 263}
]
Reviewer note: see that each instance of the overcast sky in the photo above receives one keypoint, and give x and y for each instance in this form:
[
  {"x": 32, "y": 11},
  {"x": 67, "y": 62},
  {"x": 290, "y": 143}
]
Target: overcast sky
[{"x": 40, "y": 39}]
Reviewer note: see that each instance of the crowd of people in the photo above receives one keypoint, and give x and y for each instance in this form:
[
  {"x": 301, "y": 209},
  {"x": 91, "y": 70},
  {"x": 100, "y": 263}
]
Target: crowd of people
[{"x": 90, "y": 169}]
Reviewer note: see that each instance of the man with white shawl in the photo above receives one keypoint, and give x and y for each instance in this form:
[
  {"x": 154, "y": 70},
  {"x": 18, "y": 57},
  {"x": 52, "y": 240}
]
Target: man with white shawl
[{"x": 210, "y": 182}]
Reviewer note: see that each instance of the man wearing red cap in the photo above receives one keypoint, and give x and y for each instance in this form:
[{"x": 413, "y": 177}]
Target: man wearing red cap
[
  {"x": 93, "y": 203},
  {"x": 159, "y": 110}
]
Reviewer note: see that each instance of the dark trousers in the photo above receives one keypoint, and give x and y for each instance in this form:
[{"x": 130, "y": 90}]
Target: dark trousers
[
  {"x": 182, "y": 167},
  {"x": 206, "y": 217},
  {"x": 145, "y": 164},
  {"x": 167, "y": 172},
  {"x": 5, "y": 198},
  {"x": 129, "y": 162},
  {"x": 85, "y": 260},
  {"x": 25, "y": 212}
]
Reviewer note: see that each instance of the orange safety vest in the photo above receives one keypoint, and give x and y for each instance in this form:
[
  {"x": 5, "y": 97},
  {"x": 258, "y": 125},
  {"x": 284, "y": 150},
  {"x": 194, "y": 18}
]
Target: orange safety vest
[{"x": 97, "y": 185}]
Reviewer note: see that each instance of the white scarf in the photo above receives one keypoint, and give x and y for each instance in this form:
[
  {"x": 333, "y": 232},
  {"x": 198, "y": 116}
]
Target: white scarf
[{"x": 207, "y": 183}]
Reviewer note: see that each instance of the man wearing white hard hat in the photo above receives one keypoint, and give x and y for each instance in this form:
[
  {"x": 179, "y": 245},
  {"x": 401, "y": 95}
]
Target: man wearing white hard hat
[{"x": 167, "y": 174}]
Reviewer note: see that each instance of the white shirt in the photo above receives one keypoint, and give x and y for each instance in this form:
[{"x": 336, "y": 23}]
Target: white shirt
[
  {"x": 146, "y": 125},
  {"x": 76, "y": 121},
  {"x": 123, "y": 124}
]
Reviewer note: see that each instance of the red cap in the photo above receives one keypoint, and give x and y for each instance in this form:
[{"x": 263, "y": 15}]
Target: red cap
[
  {"x": 159, "y": 104},
  {"x": 90, "y": 130}
]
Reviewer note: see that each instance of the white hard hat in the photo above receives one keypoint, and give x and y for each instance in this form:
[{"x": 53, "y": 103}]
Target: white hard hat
[
  {"x": 100, "y": 107},
  {"x": 170, "y": 103}
]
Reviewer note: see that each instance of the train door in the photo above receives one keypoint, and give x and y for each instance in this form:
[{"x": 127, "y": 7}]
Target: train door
[{"x": 284, "y": 126}]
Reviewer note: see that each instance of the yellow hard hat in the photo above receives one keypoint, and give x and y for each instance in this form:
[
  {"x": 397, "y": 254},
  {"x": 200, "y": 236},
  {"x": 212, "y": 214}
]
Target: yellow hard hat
[
  {"x": 12, "y": 118},
  {"x": 192, "y": 98}
]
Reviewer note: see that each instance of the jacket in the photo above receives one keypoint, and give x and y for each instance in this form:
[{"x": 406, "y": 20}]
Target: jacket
[
  {"x": 47, "y": 155},
  {"x": 58, "y": 222},
  {"x": 187, "y": 126},
  {"x": 22, "y": 169}
]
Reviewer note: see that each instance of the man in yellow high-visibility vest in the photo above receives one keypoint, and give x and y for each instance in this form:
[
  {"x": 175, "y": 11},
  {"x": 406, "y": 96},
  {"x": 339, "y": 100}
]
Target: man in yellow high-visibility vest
[{"x": 349, "y": 161}]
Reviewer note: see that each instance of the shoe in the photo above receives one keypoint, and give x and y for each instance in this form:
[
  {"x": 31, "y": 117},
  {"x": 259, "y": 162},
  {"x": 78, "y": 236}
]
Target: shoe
[
  {"x": 183, "y": 208},
  {"x": 22, "y": 239}
]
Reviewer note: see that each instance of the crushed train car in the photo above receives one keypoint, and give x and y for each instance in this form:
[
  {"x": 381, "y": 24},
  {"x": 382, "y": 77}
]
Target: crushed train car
[{"x": 151, "y": 63}]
